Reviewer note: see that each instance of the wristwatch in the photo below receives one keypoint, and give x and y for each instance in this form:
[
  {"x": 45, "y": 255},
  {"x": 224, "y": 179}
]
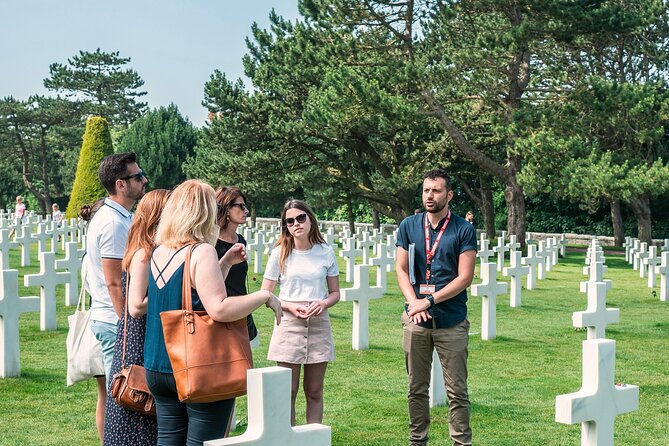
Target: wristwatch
[{"x": 430, "y": 299}]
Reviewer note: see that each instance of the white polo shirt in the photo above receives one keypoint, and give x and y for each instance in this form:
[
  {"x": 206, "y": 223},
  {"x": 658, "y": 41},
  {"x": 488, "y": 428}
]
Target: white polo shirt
[{"x": 106, "y": 238}]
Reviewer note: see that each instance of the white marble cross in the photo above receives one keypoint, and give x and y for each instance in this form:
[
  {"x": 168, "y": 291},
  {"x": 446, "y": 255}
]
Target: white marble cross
[
  {"x": 349, "y": 253},
  {"x": 534, "y": 262},
  {"x": 639, "y": 255},
  {"x": 554, "y": 250},
  {"x": 663, "y": 271},
  {"x": 513, "y": 245},
  {"x": 72, "y": 263},
  {"x": 484, "y": 253},
  {"x": 542, "y": 253},
  {"x": 47, "y": 279},
  {"x": 636, "y": 246},
  {"x": 596, "y": 316},
  {"x": 384, "y": 263},
  {"x": 5, "y": 245},
  {"x": 627, "y": 244},
  {"x": 600, "y": 400},
  {"x": 269, "y": 414},
  {"x": 650, "y": 263},
  {"x": 488, "y": 289},
  {"x": 24, "y": 238},
  {"x": 360, "y": 294},
  {"x": 256, "y": 248},
  {"x": 365, "y": 244},
  {"x": 42, "y": 236},
  {"x": 11, "y": 306},
  {"x": 500, "y": 249},
  {"x": 516, "y": 271},
  {"x": 437, "y": 384},
  {"x": 563, "y": 245}
]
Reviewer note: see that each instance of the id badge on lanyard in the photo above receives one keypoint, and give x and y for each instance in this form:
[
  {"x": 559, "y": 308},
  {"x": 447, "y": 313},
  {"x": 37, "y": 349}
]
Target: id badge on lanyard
[{"x": 427, "y": 288}]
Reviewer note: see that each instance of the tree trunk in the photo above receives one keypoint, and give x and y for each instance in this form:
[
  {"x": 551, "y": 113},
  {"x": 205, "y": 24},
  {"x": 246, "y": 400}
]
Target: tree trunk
[
  {"x": 254, "y": 215},
  {"x": 617, "y": 221},
  {"x": 487, "y": 208},
  {"x": 376, "y": 224},
  {"x": 515, "y": 203},
  {"x": 641, "y": 208},
  {"x": 351, "y": 217}
]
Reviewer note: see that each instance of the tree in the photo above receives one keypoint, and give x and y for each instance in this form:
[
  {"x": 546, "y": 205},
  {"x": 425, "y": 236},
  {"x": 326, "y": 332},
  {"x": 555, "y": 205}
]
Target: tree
[
  {"x": 100, "y": 80},
  {"x": 320, "y": 115},
  {"x": 96, "y": 145},
  {"x": 34, "y": 137},
  {"x": 162, "y": 140}
]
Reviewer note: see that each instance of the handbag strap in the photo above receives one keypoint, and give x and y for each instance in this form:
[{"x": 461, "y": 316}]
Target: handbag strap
[
  {"x": 186, "y": 295},
  {"x": 81, "y": 304},
  {"x": 126, "y": 314}
]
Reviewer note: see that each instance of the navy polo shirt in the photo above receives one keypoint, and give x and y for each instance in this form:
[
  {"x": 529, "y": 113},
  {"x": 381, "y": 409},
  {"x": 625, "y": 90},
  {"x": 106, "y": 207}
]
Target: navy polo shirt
[{"x": 459, "y": 236}]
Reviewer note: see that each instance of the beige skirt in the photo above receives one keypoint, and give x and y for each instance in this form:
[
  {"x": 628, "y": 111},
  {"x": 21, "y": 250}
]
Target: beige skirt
[{"x": 302, "y": 341}]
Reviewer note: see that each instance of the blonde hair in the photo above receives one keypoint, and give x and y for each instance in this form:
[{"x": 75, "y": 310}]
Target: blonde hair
[{"x": 189, "y": 216}]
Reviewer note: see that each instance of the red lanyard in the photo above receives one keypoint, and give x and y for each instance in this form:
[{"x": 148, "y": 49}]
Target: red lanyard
[{"x": 429, "y": 253}]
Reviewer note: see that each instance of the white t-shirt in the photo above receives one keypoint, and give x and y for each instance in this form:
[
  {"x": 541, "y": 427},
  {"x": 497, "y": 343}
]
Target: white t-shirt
[
  {"x": 106, "y": 238},
  {"x": 303, "y": 278}
]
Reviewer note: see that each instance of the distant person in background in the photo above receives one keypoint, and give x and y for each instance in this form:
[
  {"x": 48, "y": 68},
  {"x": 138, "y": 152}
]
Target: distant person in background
[
  {"x": 306, "y": 269},
  {"x": 56, "y": 214},
  {"x": 470, "y": 217},
  {"x": 19, "y": 214}
]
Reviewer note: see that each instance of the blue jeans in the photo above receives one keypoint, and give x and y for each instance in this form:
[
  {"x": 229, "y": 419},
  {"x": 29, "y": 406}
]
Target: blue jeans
[
  {"x": 190, "y": 424},
  {"x": 106, "y": 334}
]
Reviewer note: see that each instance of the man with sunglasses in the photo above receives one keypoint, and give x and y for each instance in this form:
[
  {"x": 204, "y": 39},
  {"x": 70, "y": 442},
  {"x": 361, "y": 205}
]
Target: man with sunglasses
[
  {"x": 105, "y": 247},
  {"x": 436, "y": 254}
]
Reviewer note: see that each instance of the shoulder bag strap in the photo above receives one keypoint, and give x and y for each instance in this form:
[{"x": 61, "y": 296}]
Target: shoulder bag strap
[
  {"x": 126, "y": 314},
  {"x": 186, "y": 296}
]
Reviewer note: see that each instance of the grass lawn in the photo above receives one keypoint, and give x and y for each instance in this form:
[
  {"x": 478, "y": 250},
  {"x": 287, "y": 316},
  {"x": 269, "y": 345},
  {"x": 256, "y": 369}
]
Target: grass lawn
[{"x": 513, "y": 379}]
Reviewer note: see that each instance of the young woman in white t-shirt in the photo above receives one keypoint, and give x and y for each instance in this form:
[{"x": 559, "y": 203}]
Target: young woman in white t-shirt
[{"x": 306, "y": 269}]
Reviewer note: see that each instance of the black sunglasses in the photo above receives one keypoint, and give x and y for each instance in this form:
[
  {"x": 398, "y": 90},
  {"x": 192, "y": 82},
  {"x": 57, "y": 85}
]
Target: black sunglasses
[
  {"x": 290, "y": 221},
  {"x": 242, "y": 206},
  {"x": 138, "y": 176}
]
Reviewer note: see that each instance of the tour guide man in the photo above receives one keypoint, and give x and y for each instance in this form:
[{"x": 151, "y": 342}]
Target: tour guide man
[{"x": 436, "y": 254}]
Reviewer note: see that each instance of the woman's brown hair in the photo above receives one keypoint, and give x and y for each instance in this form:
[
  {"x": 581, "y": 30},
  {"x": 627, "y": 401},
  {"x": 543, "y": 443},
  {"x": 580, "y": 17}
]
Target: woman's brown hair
[
  {"x": 225, "y": 198},
  {"x": 144, "y": 223},
  {"x": 286, "y": 241}
]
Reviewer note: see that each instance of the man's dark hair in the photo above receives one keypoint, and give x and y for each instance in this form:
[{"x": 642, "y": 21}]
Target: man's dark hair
[
  {"x": 114, "y": 167},
  {"x": 438, "y": 173}
]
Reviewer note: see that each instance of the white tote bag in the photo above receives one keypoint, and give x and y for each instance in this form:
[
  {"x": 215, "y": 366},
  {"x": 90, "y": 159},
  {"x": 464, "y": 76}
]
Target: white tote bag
[{"x": 84, "y": 354}]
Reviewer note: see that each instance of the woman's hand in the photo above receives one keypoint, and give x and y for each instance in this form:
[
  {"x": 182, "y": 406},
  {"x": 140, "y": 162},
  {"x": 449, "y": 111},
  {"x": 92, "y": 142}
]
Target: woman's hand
[
  {"x": 236, "y": 254},
  {"x": 275, "y": 305},
  {"x": 315, "y": 308}
]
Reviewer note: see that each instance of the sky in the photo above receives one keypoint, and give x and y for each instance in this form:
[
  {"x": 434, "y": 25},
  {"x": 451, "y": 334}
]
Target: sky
[{"x": 174, "y": 45}]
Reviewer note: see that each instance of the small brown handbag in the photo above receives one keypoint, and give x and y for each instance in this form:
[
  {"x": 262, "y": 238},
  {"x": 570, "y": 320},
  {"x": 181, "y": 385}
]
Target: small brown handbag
[
  {"x": 209, "y": 358},
  {"x": 128, "y": 388}
]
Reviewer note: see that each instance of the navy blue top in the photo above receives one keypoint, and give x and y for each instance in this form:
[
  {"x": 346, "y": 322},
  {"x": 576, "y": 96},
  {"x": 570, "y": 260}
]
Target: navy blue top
[
  {"x": 163, "y": 299},
  {"x": 459, "y": 236}
]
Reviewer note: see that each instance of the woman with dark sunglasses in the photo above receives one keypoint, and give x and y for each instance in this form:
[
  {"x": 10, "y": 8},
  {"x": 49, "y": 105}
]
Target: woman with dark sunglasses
[
  {"x": 232, "y": 212},
  {"x": 306, "y": 268}
]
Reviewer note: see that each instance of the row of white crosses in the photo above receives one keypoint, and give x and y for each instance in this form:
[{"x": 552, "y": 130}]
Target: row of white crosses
[
  {"x": 599, "y": 400},
  {"x": 13, "y": 304},
  {"x": 649, "y": 263},
  {"x": 533, "y": 266}
]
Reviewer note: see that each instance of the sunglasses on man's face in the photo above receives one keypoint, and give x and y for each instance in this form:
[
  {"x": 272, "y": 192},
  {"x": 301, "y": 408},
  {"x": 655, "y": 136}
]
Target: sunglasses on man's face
[
  {"x": 138, "y": 176},
  {"x": 290, "y": 221}
]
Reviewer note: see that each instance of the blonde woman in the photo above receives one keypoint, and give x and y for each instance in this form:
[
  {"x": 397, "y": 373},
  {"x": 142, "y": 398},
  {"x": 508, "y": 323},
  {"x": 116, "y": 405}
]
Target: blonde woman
[
  {"x": 189, "y": 217},
  {"x": 307, "y": 270}
]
